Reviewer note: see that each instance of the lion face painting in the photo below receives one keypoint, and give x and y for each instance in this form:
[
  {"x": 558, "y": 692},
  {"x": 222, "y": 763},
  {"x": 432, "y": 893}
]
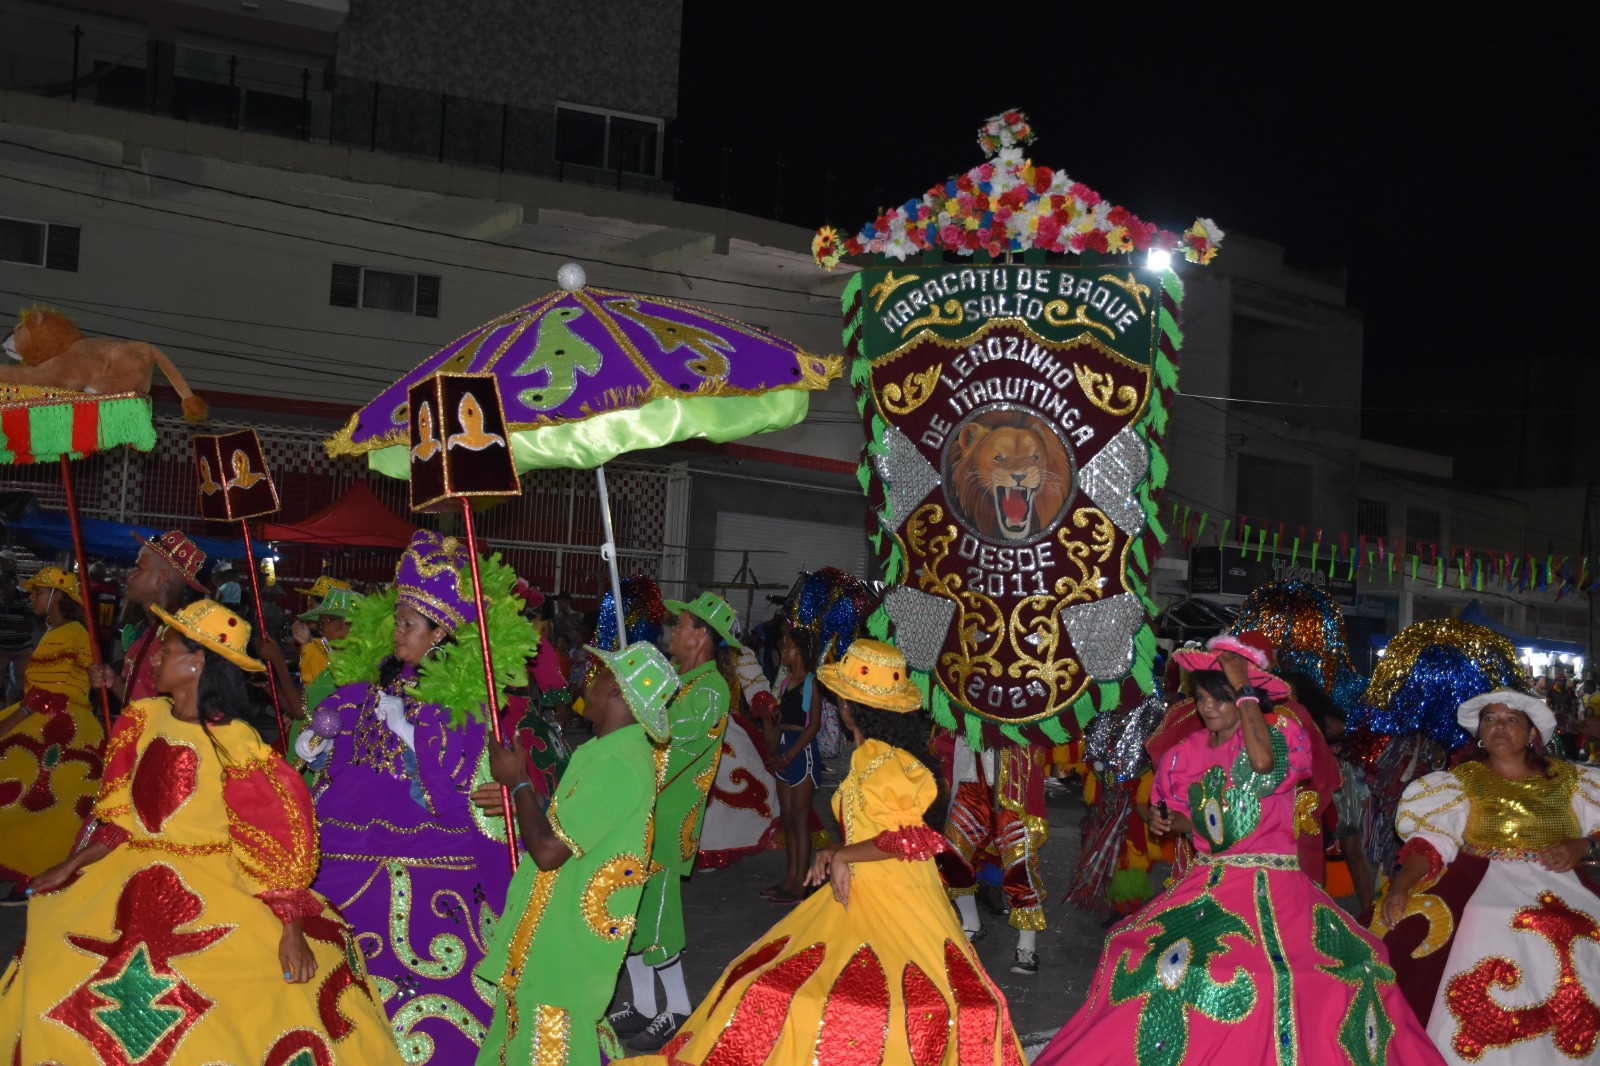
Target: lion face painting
[{"x": 1009, "y": 474}]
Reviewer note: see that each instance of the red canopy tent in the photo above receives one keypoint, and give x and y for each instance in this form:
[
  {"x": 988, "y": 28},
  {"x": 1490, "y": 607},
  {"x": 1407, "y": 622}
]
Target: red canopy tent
[{"x": 358, "y": 519}]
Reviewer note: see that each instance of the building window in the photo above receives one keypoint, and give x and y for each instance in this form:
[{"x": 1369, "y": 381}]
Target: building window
[
  {"x": 384, "y": 290},
  {"x": 1422, "y": 526},
  {"x": 39, "y": 244},
  {"x": 1273, "y": 492},
  {"x": 1372, "y": 519},
  {"x": 608, "y": 140}
]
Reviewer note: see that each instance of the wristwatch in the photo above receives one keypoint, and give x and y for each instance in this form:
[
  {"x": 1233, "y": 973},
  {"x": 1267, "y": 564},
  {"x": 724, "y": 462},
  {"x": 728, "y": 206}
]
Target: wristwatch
[{"x": 1246, "y": 692}]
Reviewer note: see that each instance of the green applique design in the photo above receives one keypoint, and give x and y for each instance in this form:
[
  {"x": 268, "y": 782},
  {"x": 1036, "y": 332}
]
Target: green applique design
[
  {"x": 137, "y": 1021},
  {"x": 448, "y": 951},
  {"x": 1366, "y": 1030},
  {"x": 561, "y": 353},
  {"x": 1175, "y": 977},
  {"x": 1226, "y": 813},
  {"x": 417, "y": 1047},
  {"x": 1286, "y": 1037}
]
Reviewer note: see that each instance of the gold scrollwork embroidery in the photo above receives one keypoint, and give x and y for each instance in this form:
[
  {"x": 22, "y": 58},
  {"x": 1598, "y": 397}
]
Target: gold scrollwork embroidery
[
  {"x": 624, "y": 871},
  {"x": 1100, "y": 388},
  {"x": 950, "y": 317},
  {"x": 1060, "y": 313},
  {"x": 886, "y": 288},
  {"x": 901, "y": 399},
  {"x": 1131, "y": 286}
]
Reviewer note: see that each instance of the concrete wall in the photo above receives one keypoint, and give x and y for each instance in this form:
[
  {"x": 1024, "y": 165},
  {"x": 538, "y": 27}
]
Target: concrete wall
[{"x": 618, "y": 54}]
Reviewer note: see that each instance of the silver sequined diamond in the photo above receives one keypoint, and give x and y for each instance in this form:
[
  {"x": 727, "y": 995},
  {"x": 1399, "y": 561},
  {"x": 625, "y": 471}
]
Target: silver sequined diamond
[
  {"x": 1110, "y": 477},
  {"x": 920, "y": 624},
  {"x": 907, "y": 477},
  {"x": 1102, "y": 634}
]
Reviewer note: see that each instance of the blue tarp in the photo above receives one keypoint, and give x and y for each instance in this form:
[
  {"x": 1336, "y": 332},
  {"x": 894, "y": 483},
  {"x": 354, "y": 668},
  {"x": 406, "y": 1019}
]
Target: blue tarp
[
  {"x": 111, "y": 540},
  {"x": 1474, "y": 614}
]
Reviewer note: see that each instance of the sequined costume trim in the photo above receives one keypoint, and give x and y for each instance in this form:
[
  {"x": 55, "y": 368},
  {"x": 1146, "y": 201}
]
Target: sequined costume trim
[
  {"x": 913, "y": 843},
  {"x": 1249, "y": 862},
  {"x": 624, "y": 871}
]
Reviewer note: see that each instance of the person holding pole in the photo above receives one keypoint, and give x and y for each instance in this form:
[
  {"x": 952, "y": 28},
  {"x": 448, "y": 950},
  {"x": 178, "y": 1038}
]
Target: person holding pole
[
  {"x": 684, "y": 772},
  {"x": 555, "y": 955},
  {"x": 51, "y": 743},
  {"x": 165, "y": 577},
  {"x": 418, "y": 870}
]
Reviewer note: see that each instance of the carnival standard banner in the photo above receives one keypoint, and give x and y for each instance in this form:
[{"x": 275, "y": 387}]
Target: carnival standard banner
[{"x": 1009, "y": 411}]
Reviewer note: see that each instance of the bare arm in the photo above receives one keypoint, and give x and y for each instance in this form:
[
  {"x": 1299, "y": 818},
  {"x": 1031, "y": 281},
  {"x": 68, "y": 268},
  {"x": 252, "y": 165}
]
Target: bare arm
[{"x": 1257, "y": 737}]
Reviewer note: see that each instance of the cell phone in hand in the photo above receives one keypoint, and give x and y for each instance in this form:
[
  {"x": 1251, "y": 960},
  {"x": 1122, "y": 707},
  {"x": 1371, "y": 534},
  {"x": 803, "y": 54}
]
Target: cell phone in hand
[{"x": 1161, "y": 807}]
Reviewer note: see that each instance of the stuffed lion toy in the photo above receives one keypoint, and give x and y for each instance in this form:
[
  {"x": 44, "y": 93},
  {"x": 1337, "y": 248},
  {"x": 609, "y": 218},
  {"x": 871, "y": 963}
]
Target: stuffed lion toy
[{"x": 56, "y": 355}]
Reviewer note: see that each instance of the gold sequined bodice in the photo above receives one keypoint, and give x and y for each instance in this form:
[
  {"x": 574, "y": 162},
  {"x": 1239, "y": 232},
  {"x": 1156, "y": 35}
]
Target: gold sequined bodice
[{"x": 1531, "y": 813}]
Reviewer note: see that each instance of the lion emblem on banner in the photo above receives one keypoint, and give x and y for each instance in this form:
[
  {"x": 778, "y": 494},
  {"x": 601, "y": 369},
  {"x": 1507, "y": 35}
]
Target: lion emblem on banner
[{"x": 1009, "y": 474}]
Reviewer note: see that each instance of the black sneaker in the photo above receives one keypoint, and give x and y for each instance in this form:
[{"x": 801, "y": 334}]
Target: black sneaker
[
  {"x": 662, "y": 1028},
  {"x": 975, "y": 935},
  {"x": 1026, "y": 962},
  {"x": 628, "y": 1021}
]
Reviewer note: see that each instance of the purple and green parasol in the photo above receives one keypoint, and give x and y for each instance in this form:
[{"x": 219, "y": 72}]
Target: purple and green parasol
[{"x": 587, "y": 374}]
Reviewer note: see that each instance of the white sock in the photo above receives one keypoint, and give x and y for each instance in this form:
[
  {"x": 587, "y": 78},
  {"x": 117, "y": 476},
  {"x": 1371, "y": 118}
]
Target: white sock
[
  {"x": 671, "y": 975},
  {"x": 1026, "y": 938},
  {"x": 967, "y": 907},
  {"x": 644, "y": 986}
]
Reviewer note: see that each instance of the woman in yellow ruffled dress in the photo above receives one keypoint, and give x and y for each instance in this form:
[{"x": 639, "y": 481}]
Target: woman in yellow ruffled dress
[
  {"x": 873, "y": 968},
  {"x": 51, "y": 742},
  {"x": 184, "y": 932}
]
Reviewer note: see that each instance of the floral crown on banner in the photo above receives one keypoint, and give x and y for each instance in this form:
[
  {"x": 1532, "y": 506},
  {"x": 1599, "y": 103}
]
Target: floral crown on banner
[
  {"x": 429, "y": 580},
  {"x": 1011, "y": 204}
]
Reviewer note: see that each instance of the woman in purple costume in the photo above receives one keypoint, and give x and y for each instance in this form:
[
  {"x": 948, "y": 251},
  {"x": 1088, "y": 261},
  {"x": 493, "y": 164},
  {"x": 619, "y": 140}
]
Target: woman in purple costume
[{"x": 416, "y": 869}]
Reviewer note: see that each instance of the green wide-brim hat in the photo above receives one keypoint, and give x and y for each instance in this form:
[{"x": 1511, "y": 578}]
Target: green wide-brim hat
[
  {"x": 647, "y": 682},
  {"x": 337, "y": 603},
  {"x": 714, "y": 611}
]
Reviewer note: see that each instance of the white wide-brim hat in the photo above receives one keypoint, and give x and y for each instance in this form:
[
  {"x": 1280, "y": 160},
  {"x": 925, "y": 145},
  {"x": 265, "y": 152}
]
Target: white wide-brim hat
[{"x": 1543, "y": 719}]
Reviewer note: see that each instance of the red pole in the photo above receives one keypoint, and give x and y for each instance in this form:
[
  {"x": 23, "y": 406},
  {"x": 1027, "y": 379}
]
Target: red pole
[
  {"x": 488, "y": 663},
  {"x": 261, "y": 620},
  {"x": 83, "y": 584}
]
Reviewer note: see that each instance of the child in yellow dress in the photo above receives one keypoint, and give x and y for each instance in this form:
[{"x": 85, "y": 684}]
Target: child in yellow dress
[
  {"x": 873, "y": 968},
  {"x": 185, "y": 931},
  {"x": 51, "y": 741}
]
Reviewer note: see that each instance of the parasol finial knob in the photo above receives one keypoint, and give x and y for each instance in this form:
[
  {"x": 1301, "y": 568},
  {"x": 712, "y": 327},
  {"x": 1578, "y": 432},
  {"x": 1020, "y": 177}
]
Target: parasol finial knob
[{"x": 571, "y": 277}]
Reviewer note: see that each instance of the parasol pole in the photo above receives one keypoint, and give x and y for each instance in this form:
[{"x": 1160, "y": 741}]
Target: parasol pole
[
  {"x": 488, "y": 666},
  {"x": 83, "y": 585},
  {"x": 608, "y": 552},
  {"x": 261, "y": 624}
]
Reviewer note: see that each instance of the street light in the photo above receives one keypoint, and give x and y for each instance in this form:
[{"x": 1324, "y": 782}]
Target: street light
[{"x": 1159, "y": 259}]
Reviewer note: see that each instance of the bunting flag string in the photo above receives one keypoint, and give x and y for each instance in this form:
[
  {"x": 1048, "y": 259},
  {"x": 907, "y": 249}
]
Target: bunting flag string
[{"x": 1466, "y": 568}]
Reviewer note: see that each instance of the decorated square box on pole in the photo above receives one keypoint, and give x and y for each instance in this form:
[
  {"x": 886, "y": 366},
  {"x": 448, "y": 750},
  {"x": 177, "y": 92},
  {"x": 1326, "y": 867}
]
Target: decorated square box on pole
[{"x": 1014, "y": 408}]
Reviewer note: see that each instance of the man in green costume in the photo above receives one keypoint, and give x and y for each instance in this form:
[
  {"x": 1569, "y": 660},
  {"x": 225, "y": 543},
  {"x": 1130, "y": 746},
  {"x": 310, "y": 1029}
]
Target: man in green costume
[
  {"x": 570, "y": 907},
  {"x": 685, "y": 769}
]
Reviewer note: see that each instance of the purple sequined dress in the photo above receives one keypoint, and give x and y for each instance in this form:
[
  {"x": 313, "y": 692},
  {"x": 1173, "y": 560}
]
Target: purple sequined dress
[{"x": 414, "y": 866}]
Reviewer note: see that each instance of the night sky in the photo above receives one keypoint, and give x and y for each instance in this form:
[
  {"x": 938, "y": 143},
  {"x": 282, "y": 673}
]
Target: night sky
[{"x": 1447, "y": 162}]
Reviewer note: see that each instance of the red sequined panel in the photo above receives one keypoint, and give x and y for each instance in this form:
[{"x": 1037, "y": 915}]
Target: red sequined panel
[
  {"x": 163, "y": 781},
  {"x": 1568, "y": 1015},
  {"x": 749, "y": 964},
  {"x": 299, "y": 1047},
  {"x": 136, "y": 1008},
  {"x": 753, "y": 1030},
  {"x": 52, "y": 749},
  {"x": 927, "y": 1017},
  {"x": 855, "y": 1018},
  {"x": 350, "y": 972},
  {"x": 976, "y": 1011}
]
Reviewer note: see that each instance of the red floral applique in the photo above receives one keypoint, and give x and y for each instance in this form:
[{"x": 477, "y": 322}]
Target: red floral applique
[
  {"x": 136, "y": 1008},
  {"x": 750, "y": 964},
  {"x": 293, "y": 1047},
  {"x": 976, "y": 1012},
  {"x": 163, "y": 781},
  {"x": 51, "y": 749},
  {"x": 855, "y": 1018}
]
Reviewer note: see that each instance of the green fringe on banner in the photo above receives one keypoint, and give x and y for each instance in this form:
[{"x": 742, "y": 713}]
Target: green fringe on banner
[
  {"x": 878, "y": 624},
  {"x": 1054, "y": 730},
  {"x": 127, "y": 422},
  {"x": 1110, "y": 695},
  {"x": 1013, "y": 734},
  {"x": 1158, "y": 468}
]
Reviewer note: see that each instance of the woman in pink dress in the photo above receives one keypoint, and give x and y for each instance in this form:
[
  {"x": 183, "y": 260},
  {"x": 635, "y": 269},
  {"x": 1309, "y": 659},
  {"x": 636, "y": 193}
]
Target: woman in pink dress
[{"x": 1244, "y": 958}]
